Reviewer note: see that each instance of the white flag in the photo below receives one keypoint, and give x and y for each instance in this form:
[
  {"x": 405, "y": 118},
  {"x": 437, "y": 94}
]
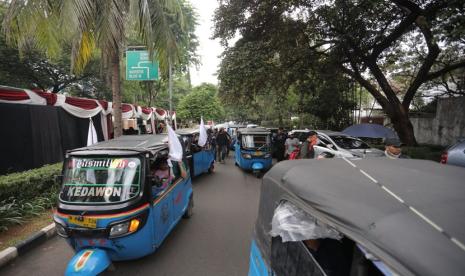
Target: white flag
[
  {"x": 203, "y": 134},
  {"x": 174, "y": 145},
  {"x": 91, "y": 134}
]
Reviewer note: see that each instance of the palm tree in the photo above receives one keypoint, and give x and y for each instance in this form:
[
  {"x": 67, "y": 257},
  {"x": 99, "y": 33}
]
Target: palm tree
[{"x": 91, "y": 24}]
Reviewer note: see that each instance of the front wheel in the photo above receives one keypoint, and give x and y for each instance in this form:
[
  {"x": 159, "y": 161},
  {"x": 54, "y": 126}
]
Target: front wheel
[
  {"x": 190, "y": 208},
  {"x": 257, "y": 174}
]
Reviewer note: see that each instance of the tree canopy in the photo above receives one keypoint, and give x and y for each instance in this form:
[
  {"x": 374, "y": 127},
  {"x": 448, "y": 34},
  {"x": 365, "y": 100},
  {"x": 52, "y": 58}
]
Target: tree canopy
[
  {"x": 96, "y": 24},
  {"x": 201, "y": 102},
  {"x": 374, "y": 42}
]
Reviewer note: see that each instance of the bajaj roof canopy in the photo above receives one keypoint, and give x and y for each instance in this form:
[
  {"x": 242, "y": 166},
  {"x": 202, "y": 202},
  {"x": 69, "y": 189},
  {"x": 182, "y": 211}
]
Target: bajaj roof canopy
[{"x": 409, "y": 213}]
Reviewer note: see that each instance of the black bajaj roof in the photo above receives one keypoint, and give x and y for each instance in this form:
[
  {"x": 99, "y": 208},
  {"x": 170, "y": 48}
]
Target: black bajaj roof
[
  {"x": 255, "y": 130},
  {"x": 187, "y": 131},
  {"x": 127, "y": 144},
  {"x": 409, "y": 213}
]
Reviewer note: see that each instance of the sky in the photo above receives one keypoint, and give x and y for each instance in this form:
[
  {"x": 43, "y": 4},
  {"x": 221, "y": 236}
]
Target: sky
[{"x": 209, "y": 50}]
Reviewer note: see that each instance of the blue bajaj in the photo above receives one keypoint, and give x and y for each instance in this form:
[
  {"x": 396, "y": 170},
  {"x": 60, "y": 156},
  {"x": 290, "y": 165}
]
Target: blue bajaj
[
  {"x": 199, "y": 159},
  {"x": 252, "y": 150},
  {"x": 119, "y": 201}
]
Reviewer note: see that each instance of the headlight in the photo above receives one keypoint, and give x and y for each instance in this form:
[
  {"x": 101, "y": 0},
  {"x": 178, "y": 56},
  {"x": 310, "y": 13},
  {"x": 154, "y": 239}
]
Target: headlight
[
  {"x": 246, "y": 156},
  {"x": 124, "y": 228},
  {"x": 61, "y": 230},
  {"x": 268, "y": 155}
]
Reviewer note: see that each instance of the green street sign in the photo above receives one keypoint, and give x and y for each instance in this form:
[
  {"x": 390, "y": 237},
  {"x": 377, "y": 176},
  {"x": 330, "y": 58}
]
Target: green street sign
[{"x": 140, "y": 67}]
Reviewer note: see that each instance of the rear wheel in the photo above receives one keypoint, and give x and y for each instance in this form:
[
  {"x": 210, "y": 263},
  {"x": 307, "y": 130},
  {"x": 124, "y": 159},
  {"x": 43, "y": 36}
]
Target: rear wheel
[
  {"x": 212, "y": 168},
  {"x": 190, "y": 209}
]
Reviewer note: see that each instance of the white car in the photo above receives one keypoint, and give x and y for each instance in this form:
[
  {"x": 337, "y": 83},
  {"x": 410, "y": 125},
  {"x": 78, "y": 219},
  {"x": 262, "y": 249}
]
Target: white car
[{"x": 338, "y": 144}]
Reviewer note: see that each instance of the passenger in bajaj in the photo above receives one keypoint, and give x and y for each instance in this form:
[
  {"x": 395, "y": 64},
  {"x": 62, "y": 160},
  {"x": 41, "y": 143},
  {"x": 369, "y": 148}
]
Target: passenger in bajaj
[{"x": 163, "y": 174}]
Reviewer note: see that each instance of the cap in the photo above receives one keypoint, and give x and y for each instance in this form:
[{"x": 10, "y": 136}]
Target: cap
[{"x": 393, "y": 141}]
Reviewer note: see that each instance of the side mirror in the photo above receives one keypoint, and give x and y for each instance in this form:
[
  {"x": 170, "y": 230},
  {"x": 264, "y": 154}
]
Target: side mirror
[{"x": 330, "y": 146}]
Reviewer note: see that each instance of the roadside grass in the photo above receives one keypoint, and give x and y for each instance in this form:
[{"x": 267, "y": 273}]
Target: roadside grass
[{"x": 20, "y": 232}]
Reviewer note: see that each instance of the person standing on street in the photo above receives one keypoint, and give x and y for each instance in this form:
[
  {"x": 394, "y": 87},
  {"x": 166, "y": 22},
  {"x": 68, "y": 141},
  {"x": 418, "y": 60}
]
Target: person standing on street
[
  {"x": 307, "y": 150},
  {"x": 223, "y": 141},
  {"x": 279, "y": 144},
  {"x": 393, "y": 149},
  {"x": 291, "y": 144}
]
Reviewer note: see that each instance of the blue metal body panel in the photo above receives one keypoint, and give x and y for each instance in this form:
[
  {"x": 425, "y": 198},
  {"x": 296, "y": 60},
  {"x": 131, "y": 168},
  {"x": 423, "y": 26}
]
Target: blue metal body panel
[
  {"x": 203, "y": 160},
  {"x": 255, "y": 163},
  {"x": 257, "y": 266},
  {"x": 90, "y": 261}
]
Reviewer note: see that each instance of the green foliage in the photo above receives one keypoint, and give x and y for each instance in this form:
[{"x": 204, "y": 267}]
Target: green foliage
[
  {"x": 30, "y": 184},
  {"x": 157, "y": 93},
  {"x": 202, "y": 101},
  {"x": 427, "y": 152},
  {"x": 27, "y": 194},
  {"x": 276, "y": 78},
  {"x": 14, "y": 211},
  {"x": 391, "y": 48}
]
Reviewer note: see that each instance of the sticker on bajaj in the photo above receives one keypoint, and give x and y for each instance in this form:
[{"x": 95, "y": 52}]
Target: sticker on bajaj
[
  {"x": 74, "y": 190},
  {"x": 82, "y": 260},
  {"x": 101, "y": 180},
  {"x": 104, "y": 163}
]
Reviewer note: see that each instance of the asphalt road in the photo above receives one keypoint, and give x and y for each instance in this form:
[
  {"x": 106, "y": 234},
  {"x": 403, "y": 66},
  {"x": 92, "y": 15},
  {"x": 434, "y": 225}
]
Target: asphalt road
[{"x": 215, "y": 241}]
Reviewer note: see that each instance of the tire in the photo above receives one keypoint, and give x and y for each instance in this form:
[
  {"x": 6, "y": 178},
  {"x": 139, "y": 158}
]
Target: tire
[
  {"x": 257, "y": 174},
  {"x": 190, "y": 209},
  {"x": 212, "y": 168}
]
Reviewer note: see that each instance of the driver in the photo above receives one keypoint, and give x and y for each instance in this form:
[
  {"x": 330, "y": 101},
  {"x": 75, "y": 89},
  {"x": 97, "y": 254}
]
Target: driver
[{"x": 163, "y": 175}]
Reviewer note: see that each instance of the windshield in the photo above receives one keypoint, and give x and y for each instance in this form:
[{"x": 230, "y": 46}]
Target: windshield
[
  {"x": 255, "y": 141},
  {"x": 347, "y": 142},
  {"x": 100, "y": 180}
]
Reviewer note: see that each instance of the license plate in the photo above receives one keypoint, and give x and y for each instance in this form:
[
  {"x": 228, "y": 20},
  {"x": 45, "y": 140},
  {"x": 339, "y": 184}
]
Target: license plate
[
  {"x": 83, "y": 221},
  {"x": 258, "y": 153}
]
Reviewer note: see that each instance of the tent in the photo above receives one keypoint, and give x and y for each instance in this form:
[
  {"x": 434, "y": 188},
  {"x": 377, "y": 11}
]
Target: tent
[{"x": 38, "y": 127}]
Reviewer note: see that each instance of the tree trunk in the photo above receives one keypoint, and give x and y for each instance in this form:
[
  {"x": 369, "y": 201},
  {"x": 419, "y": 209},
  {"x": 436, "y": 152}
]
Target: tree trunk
[
  {"x": 149, "y": 87},
  {"x": 301, "y": 109},
  {"x": 403, "y": 126},
  {"x": 116, "y": 90}
]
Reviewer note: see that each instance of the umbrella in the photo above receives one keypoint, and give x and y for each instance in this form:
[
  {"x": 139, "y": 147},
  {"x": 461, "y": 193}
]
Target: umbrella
[{"x": 370, "y": 131}]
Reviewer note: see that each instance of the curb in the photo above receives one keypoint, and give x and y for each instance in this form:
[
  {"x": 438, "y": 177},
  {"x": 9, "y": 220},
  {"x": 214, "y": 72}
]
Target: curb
[{"x": 9, "y": 254}]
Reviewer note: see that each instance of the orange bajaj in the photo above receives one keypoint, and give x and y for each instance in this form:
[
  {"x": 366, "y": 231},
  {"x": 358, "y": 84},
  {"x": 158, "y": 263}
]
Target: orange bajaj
[{"x": 112, "y": 206}]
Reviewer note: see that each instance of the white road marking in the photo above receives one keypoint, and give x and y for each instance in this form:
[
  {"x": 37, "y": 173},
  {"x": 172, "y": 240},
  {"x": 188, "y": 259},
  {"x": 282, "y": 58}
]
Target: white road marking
[
  {"x": 458, "y": 243},
  {"x": 369, "y": 176},
  {"x": 418, "y": 213},
  {"x": 392, "y": 194},
  {"x": 425, "y": 218},
  {"x": 352, "y": 164}
]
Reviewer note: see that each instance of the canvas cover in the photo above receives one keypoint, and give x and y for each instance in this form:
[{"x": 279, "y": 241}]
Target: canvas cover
[{"x": 408, "y": 213}]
